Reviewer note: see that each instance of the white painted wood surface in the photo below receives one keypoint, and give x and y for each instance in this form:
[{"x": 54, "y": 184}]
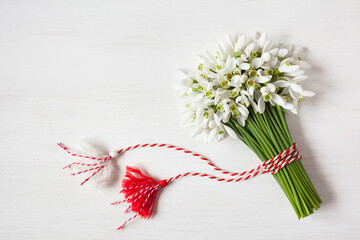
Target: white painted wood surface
[{"x": 104, "y": 70}]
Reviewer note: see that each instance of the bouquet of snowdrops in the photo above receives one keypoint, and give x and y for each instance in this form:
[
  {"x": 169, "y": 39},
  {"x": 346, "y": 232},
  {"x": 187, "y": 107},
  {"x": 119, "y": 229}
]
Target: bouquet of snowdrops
[{"x": 243, "y": 90}]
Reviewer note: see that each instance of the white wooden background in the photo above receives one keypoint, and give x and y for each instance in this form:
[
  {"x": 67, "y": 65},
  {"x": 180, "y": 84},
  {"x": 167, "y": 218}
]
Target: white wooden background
[{"x": 104, "y": 71}]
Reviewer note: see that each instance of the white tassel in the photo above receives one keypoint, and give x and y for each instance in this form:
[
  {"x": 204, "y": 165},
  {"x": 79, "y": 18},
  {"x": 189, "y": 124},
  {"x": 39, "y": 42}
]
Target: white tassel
[{"x": 92, "y": 162}]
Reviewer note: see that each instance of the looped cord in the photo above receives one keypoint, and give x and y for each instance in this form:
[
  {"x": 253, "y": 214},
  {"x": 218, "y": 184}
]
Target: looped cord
[
  {"x": 140, "y": 190},
  {"x": 272, "y": 165}
]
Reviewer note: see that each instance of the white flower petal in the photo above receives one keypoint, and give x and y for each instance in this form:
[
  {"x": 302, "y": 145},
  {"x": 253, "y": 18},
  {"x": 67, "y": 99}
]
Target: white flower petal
[
  {"x": 209, "y": 60},
  {"x": 251, "y": 90},
  {"x": 220, "y": 91},
  {"x": 212, "y": 135},
  {"x": 216, "y": 99},
  {"x": 257, "y": 62},
  {"x": 281, "y": 83},
  {"x": 261, "y": 104},
  {"x": 277, "y": 99},
  {"x": 250, "y": 48},
  {"x": 273, "y": 61},
  {"x": 241, "y": 120},
  {"x": 230, "y": 64},
  {"x": 300, "y": 78},
  {"x": 274, "y": 52},
  {"x": 226, "y": 107},
  {"x": 226, "y": 117},
  {"x": 296, "y": 73},
  {"x": 283, "y": 52},
  {"x": 263, "y": 39},
  {"x": 294, "y": 110},
  {"x": 241, "y": 43},
  {"x": 222, "y": 52},
  {"x": 288, "y": 69},
  {"x": 229, "y": 41},
  {"x": 296, "y": 87},
  {"x": 271, "y": 87},
  {"x": 266, "y": 56},
  {"x": 246, "y": 101},
  {"x": 235, "y": 81},
  {"x": 231, "y": 132},
  {"x": 286, "y": 60},
  {"x": 219, "y": 137},
  {"x": 307, "y": 93},
  {"x": 288, "y": 106},
  {"x": 262, "y": 79},
  {"x": 239, "y": 61},
  {"x": 267, "y": 46},
  {"x": 186, "y": 82},
  {"x": 213, "y": 75},
  {"x": 294, "y": 95},
  {"x": 254, "y": 105},
  {"x": 244, "y": 57},
  {"x": 303, "y": 64},
  {"x": 243, "y": 78},
  {"x": 244, "y": 66},
  {"x": 264, "y": 90},
  {"x": 199, "y": 111},
  {"x": 217, "y": 119},
  {"x": 243, "y": 110}
]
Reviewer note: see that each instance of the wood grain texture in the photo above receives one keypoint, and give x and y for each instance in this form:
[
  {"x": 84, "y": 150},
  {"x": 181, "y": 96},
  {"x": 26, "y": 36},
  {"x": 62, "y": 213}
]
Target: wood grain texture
[{"x": 104, "y": 70}]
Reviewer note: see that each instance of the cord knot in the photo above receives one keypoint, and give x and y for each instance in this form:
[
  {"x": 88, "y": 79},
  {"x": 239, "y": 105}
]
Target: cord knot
[{"x": 163, "y": 183}]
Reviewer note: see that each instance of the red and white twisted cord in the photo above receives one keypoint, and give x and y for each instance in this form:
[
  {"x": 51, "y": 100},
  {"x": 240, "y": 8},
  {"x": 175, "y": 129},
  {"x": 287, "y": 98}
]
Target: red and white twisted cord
[
  {"x": 141, "y": 196},
  {"x": 272, "y": 165},
  {"x": 147, "y": 191}
]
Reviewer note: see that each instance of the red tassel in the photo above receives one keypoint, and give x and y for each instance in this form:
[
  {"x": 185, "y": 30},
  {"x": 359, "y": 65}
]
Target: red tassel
[{"x": 140, "y": 192}]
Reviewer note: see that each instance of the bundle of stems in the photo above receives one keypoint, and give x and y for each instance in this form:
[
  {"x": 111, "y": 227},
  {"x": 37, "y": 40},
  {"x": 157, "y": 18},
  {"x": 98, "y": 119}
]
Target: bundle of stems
[{"x": 267, "y": 134}]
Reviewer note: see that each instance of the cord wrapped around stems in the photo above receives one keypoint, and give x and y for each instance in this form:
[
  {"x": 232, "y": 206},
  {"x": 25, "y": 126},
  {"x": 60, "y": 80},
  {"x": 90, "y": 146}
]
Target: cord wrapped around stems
[{"x": 267, "y": 134}]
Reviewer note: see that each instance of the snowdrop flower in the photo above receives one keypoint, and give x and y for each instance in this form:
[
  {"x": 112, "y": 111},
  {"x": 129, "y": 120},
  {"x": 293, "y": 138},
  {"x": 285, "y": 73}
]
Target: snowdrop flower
[
  {"x": 243, "y": 73},
  {"x": 268, "y": 94},
  {"x": 226, "y": 67},
  {"x": 293, "y": 87}
]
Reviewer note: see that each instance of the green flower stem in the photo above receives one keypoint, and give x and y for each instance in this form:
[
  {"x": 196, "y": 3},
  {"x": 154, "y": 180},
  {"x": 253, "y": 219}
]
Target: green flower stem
[
  {"x": 268, "y": 135},
  {"x": 304, "y": 190},
  {"x": 274, "y": 134},
  {"x": 240, "y": 128},
  {"x": 261, "y": 155},
  {"x": 284, "y": 183},
  {"x": 261, "y": 137},
  {"x": 306, "y": 178},
  {"x": 298, "y": 164},
  {"x": 249, "y": 143},
  {"x": 283, "y": 121},
  {"x": 276, "y": 125}
]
